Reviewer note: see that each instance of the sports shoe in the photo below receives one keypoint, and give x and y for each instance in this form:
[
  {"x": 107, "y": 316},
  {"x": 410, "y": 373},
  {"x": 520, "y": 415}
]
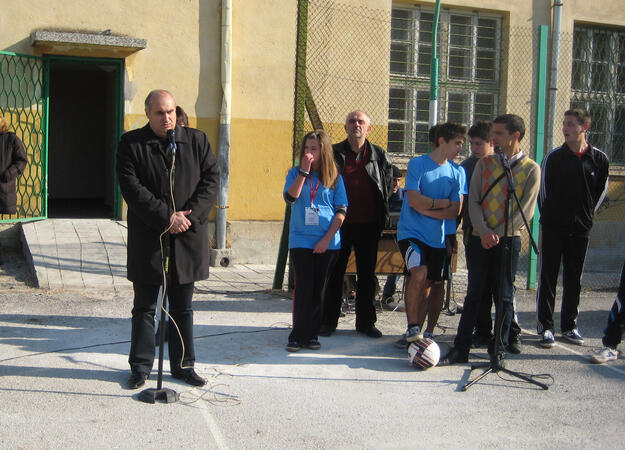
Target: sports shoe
[
  {"x": 514, "y": 346},
  {"x": 413, "y": 333},
  {"x": 293, "y": 346},
  {"x": 313, "y": 344},
  {"x": 371, "y": 331},
  {"x": 402, "y": 342},
  {"x": 573, "y": 337},
  {"x": 428, "y": 335},
  {"x": 548, "y": 340},
  {"x": 604, "y": 355},
  {"x": 454, "y": 357}
]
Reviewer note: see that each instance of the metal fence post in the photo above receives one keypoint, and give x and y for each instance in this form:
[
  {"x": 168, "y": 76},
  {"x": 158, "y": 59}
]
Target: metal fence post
[
  {"x": 539, "y": 139},
  {"x": 298, "y": 129}
]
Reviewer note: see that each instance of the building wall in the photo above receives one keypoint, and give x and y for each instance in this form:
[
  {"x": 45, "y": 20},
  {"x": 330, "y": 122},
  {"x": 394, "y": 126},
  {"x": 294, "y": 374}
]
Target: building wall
[{"x": 183, "y": 55}]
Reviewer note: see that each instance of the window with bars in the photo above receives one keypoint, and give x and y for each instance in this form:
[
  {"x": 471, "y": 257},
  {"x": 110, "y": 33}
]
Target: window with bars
[
  {"x": 469, "y": 62},
  {"x": 598, "y": 86}
]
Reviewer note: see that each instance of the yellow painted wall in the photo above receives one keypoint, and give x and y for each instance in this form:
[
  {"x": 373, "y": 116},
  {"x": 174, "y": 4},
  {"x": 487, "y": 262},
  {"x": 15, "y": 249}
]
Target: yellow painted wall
[
  {"x": 185, "y": 59},
  {"x": 263, "y": 90}
]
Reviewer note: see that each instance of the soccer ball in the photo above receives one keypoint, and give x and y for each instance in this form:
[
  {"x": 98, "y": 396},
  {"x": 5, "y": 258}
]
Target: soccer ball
[{"x": 424, "y": 353}]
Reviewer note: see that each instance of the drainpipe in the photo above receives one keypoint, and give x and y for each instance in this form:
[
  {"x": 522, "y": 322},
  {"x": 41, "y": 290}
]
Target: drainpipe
[
  {"x": 553, "y": 82},
  {"x": 221, "y": 255},
  {"x": 434, "y": 69}
]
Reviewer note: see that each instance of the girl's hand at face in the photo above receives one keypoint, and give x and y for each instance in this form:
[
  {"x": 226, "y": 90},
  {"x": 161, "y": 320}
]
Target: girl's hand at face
[{"x": 306, "y": 162}]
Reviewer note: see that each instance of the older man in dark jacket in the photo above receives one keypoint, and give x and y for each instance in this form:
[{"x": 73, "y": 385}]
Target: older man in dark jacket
[
  {"x": 367, "y": 173},
  {"x": 144, "y": 163}
]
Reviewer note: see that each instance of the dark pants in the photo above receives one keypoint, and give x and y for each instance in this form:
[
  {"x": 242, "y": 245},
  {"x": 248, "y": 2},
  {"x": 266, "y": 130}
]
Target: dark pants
[
  {"x": 364, "y": 238},
  {"x": 557, "y": 246},
  {"x": 312, "y": 271},
  {"x": 616, "y": 319},
  {"x": 142, "y": 346},
  {"x": 484, "y": 320},
  {"x": 484, "y": 276},
  {"x": 390, "y": 286}
]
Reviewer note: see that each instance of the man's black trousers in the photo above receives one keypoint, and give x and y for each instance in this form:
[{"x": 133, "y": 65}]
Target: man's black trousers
[
  {"x": 142, "y": 344},
  {"x": 484, "y": 276},
  {"x": 616, "y": 318},
  {"x": 484, "y": 320},
  {"x": 364, "y": 239},
  {"x": 558, "y": 245}
]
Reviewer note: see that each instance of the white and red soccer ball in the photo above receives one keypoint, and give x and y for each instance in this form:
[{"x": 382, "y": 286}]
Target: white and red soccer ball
[{"x": 424, "y": 353}]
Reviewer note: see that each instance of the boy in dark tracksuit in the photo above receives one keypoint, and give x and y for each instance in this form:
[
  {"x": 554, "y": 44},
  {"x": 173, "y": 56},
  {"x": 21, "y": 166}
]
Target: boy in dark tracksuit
[
  {"x": 616, "y": 325},
  {"x": 574, "y": 183}
]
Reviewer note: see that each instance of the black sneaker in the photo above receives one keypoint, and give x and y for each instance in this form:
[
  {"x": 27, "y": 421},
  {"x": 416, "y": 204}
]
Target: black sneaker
[
  {"x": 313, "y": 344},
  {"x": 453, "y": 357},
  {"x": 293, "y": 346},
  {"x": 371, "y": 331},
  {"x": 514, "y": 346}
]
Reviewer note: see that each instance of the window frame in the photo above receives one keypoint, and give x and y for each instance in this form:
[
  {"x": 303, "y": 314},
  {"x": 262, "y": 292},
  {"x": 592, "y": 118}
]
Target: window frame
[
  {"x": 414, "y": 82},
  {"x": 584, "y": 92}
]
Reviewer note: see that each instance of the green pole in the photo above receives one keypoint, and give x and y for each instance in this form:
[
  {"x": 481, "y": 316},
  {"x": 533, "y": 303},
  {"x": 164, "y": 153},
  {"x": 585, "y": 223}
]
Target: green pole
[
  {"x": 539, "y": 139},
  {"x": 434, "y": 69},
  {"x": 298, "y": 129},
  {"x": 45, "y": 122}
]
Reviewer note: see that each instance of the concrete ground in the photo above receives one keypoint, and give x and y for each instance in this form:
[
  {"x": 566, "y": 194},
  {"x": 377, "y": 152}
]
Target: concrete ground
[{"x": 63, "y": 368}]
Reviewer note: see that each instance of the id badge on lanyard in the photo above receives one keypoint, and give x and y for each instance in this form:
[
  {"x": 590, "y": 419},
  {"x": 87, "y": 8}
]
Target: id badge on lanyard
[{"x": 311, "y": 212}]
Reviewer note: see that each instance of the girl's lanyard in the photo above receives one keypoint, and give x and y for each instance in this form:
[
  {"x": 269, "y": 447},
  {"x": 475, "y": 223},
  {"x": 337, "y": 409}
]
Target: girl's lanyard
[
  {"x": 313, "y": 192},
  {"x": 312, "y": 213}
]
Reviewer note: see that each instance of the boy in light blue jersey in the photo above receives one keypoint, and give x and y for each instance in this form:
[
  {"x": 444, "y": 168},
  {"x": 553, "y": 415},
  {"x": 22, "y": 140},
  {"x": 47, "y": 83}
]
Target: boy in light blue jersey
[{"x": 433, "y": 195}]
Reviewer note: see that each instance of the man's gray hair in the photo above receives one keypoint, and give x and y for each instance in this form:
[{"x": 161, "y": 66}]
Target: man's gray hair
[
  {"x": 154, "y": 93},
  {"x": 359, "y": 111}
]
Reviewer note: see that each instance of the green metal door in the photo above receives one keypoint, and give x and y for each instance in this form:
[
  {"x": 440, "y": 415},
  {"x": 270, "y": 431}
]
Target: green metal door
[{"x": 24, "y": 104}]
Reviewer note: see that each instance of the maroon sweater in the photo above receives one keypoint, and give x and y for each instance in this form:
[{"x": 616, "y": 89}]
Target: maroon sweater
[{"x": 361, "y": 190}]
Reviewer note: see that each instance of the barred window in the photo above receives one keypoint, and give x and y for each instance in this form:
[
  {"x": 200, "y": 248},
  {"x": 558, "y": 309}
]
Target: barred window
[
  {"x": 598, "y": 85},
  {"x": 469, "y": 64}
]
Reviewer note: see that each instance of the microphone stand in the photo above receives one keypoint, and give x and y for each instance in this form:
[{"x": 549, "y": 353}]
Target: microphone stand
[
  {"x": 166, "y": 395},
  {"x": 496, "y": 365}
]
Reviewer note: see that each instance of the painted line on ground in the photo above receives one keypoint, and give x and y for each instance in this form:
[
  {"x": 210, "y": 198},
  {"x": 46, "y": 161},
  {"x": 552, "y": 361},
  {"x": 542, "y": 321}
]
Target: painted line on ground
[
  {"x": 583, "y": 355},
  {"x": 214, "y": 429}
]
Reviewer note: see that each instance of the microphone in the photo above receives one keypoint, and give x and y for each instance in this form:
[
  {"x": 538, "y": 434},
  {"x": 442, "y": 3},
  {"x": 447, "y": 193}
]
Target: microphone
[
  {"x": 503, "y": 159},
  {"x": 171, "y": 135}
]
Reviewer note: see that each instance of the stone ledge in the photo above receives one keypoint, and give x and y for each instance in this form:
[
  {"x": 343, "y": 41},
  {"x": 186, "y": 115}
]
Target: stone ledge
[{"x": 61, "y": 40}]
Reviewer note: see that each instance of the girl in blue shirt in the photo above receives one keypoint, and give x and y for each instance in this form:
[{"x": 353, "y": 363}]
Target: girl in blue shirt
[{"x": 318, "y": 207}]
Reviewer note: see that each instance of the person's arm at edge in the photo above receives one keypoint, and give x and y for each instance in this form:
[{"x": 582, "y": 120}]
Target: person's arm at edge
[{"x": 322, "y": 245}]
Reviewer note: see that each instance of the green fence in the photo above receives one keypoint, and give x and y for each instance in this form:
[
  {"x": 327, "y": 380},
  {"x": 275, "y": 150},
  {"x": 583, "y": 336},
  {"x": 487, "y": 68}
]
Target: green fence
[
  {"x": 379, "y": 60},
  {"x": 23, "y": 104}
]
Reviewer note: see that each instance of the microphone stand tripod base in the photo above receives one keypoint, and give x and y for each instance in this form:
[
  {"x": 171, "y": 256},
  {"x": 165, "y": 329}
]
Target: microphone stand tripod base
[
  {"x": 165, "y": 395},
  {"x": 497, "y": 365}
]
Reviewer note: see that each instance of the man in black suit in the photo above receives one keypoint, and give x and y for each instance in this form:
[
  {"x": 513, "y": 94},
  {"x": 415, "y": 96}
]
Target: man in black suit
[{"x": 144, "y": 163}]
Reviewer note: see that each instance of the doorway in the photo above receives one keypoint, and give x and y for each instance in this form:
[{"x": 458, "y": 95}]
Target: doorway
[{"x": 83, "y": 131}]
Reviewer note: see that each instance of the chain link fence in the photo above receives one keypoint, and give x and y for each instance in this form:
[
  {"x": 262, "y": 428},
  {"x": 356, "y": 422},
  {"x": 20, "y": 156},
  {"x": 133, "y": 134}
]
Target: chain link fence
[
  {"x": 379, "y": 61},
  {"x": 22, "y": 105}
]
